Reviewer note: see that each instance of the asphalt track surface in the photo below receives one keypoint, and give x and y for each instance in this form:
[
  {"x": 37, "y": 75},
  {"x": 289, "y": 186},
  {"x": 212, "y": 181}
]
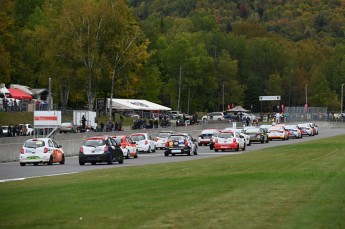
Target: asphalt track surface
[{"x": 13, "y": 171}]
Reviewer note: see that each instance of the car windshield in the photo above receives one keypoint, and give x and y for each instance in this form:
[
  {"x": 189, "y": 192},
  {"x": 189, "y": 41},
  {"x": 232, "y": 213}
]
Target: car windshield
[
  {"x": 66, "y": 124},
  {"x": 225, "y": 135},
  {"x": 177, "y": 138},
  {"x": 253, "y": 130},
  {"x": 290, "y": 127},
  {"x": 206, "y": 135},
  {"x": 163, "y": 135},
  {"x": 303, "y": 125},
  {"x": 118, "y": 140},
  {"x": 34, "y": 144},
  {"x": 208, "y": 132},
  {"x": 138, "y": 137},
  {"x": 94, "y": 142}
]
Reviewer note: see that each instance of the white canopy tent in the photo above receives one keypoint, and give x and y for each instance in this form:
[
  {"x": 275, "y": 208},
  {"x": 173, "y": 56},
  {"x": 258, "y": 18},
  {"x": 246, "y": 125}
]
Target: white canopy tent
[
  {"x": 136, "y": 104},
  {"x": 3, "y": 89},
  {"x": 238, "y": 109}
]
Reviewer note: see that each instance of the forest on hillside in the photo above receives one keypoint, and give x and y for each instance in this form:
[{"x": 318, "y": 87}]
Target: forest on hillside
[{"x": 190, "y": 55}]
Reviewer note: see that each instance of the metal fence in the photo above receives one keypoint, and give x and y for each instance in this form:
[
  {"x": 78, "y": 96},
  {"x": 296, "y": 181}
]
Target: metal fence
[{"x": 311, "y": 114}]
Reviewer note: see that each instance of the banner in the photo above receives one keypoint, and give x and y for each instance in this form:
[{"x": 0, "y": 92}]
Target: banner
[{"x": 45, "y": 119}]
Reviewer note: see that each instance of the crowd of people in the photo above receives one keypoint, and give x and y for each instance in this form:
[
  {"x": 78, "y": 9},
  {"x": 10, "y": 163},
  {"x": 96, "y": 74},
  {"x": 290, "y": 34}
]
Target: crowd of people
[
  {"x": 187, "y": 120},
  {"x": 112, "y": 126},
  {"x": 162, "y": 120},
  {"x": 13, "y": 131},
  {"x": 10, "y": 104}
]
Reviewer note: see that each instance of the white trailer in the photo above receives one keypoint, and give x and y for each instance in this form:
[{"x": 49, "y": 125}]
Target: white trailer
[{"x": 90, "y": 117}]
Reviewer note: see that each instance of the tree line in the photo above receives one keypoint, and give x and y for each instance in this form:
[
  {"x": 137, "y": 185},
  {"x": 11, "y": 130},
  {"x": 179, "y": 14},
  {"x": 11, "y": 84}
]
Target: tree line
[{"x": 187, "y": 55}]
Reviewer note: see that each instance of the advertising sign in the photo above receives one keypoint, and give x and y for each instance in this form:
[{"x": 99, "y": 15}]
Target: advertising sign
[
  {"x": 269, "y": 98},
  {"x": 47, "y": 119}
]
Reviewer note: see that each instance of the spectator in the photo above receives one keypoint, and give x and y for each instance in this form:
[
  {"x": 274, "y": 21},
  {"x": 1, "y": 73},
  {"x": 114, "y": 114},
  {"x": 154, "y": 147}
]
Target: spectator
[
  {"x": 108, "y": 127},
  {"x": 102, "y": 126},
  {"x": 120, "y": 125},
  {"x": 9, "y": 131},
  {"x": 14, "y": 131},
  {"x": 5, "y": 105},
  {"x": 10, "y": 104},
  {"x": 24, "y": 130},
  {"x": 42, "y": 105},
  {"x": 244, "y": 121},
  {"x": 248, "y": 121},
  {"x": 83, "y": 121},
  {"x": 278, "y": 116},
  {"x": 15, "y": 105}
]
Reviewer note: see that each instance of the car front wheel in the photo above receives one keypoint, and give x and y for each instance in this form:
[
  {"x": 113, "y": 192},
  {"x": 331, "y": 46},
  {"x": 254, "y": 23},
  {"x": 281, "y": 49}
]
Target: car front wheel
[
  {"x": 110, "y": 159},
  {"x": 121, "y": 159},
  {"x": 50, "y": 162},
  {"x": 62, "y": 160},
  {"x": 128, "y": 155}
]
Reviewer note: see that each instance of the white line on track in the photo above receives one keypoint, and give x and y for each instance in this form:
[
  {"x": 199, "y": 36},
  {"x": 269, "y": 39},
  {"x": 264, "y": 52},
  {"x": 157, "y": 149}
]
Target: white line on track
[
  {"x": 23, "y": 178},
  {"x": 222, "y": 153},
  {"x": 212, "y": 153}
]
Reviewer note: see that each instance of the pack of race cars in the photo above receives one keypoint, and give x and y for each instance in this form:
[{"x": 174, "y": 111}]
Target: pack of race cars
[
  {"x": 239, "y": 138},
  {"x": 109, "y": 149}
]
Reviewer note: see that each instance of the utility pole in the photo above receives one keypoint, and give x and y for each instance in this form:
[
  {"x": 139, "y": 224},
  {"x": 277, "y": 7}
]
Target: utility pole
[
  {"x": 111, "y": 94},
  {"x": 179, "y": 89},
  {"x": 223, "y": 96},
  {"x": 342, "y": 95},
  {"x": 50, "y": 94},
  {"x": 306, "y": 94}
]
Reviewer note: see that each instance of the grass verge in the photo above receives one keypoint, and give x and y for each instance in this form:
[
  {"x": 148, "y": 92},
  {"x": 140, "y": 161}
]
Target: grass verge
[{"x": 295, "y": 186}]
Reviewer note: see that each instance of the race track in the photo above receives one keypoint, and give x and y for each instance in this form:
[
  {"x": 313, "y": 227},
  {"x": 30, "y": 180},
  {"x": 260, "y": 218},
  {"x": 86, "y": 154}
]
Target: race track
[{"x": 13, "y": 171}]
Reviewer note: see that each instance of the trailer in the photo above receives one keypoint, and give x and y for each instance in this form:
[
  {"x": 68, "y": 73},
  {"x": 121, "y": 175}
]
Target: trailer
[{"x": 90, "y": 120}]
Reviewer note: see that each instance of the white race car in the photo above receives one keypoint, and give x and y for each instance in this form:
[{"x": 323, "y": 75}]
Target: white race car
[
  {"x": 228, "y": 140},
  {"x": 41, "y": 150},
  {"x": 161, "y": 139},
  {"x": 294, "y": 131},
  {"x": 241, "y": 132},
  {"x": 306, "y": 129},
  {"x": 205, "y": 137},
  {"x": 144, "y": 142}
]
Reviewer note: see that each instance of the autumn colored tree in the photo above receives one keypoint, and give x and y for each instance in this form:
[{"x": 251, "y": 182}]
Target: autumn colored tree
[{"x": 6, "y": 39}]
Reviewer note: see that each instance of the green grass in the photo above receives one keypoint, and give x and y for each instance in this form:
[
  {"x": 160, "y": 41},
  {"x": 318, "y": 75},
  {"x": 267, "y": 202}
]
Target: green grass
[
  {"x": 13, "y": 118},
  {"x": 297, "y": 186}
]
